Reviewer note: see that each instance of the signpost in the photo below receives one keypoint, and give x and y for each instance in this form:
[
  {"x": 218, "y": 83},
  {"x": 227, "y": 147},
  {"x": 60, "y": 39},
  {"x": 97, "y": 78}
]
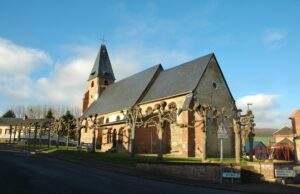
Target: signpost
[
  {"x": 284, "y": 173},
  {"x": 232, "y": 175},
  {"x": 222, "y": 134}
]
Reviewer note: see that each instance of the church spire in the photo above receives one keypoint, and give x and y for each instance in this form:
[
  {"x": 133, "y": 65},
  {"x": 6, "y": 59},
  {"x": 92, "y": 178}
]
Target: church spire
[
  {"x": 102, "y": 66},
  {"x": 101, "y": 76}
]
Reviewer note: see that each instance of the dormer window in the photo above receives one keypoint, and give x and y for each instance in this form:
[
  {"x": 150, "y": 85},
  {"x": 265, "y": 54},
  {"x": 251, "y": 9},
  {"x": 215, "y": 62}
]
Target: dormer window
[{"x": 92, "y": 84}]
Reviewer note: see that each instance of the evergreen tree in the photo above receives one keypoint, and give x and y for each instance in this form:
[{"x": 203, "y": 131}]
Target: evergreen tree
[
  {"x": 68, "y": 126},
  {"x": 47, "y": 125},
  {"x": 9, "y": 114},
  {"x": 68, "y": 116},
  {"x": 49, "y": 115}
]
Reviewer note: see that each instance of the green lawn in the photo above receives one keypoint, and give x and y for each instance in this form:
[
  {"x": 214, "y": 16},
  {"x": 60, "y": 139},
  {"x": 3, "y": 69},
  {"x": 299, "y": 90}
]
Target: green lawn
[
  {"x": 73, "y": 154},
  {"x": 114, "y": 158}
]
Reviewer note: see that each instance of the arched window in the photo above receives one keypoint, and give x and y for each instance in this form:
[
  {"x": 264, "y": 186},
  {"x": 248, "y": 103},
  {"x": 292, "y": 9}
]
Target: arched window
[
  {"x": 114, "y": 138},
  {"x": 172, "y": 105},
  {"x": 214, "y": 85},
  {"x": 107, "y": 120},
  {"x": 149, "y": 110},
  {"x": 118, "y": 118},
  {"x": 173, "y": 110},
  {"x": 92, "y": 84},
  {"x": 101, "y": 120},
  {"x": 120, "y": 135},
  {"x": 0, "y": 131}
]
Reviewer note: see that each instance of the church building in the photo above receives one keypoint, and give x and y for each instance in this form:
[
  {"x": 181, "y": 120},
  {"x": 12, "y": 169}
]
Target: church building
[{"x": 198, "y": 81}]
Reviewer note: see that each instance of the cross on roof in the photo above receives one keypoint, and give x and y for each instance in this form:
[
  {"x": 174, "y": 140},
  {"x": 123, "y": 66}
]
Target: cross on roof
[{"x": 103, "y": 39}]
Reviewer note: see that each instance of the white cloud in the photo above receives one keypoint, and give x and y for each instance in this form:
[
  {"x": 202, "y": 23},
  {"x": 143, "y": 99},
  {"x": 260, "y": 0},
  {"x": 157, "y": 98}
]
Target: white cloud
[
  {"x": 16, "y": 64},
  {"x": 259, "y": 101},
  {"x": 19, "y": 60},
  {"x": 16, "y": 87},
  {"x": 65, "y": 82},
  {"x": 274, "y": 38},
  {"x": 266, "y": 110}
]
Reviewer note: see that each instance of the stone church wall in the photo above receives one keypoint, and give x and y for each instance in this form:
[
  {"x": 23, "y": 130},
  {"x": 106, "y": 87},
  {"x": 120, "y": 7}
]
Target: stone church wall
[
  {"x": 178, "y": 140},
  {"x": 115, "y": 136},
  {"x": 174, "y": 138},
  {"x": 212, "y": 90}
]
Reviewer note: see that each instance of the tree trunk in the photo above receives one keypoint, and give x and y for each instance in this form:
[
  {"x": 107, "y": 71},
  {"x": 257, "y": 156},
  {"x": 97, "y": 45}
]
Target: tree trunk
[
  {"x": 94, "y": 141},
  {"x": 35, "y": 134},
  {"x": 237, "y": 146},
  {"x": 243, "y": 135},
  {"x": 204, "y": 144},
  {"x": 57, "y": 140},
  {"x": 160, "y": 134},
  {"x": 79, "y": 136},
  {"x": 15, "y": 131},
  {"x": 132, "y": 145},
  {"x": 19, "y": 133},
  {"x": 10, "y": 133},
  {"x": 68, "y": 135},
  {"x": 40, "y": 137},
  {"x": 251, "y": 136},
  {"x": 237, "y": 132},
  {"x": 49, "y": 137},
  {"x": 29, "y": 134}
]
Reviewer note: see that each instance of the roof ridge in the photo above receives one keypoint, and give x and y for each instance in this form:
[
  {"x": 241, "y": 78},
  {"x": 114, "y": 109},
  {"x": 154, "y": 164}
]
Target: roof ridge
[
  {"x": 193, "y": 60},
  {"x": 169, "y": 82},
  {"x": 123, "y": 93},
  {"x": 102, "y": 65},
  {"x": 132, "y": 75},
  {"x": 277, "y": 131}
]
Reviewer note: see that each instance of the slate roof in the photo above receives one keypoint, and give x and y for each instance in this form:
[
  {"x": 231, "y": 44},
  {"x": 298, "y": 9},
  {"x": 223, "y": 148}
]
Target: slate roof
[
  {"x": 10, "y": 121},
  {"x": 124, "y": 93},
  {"x": 284, "y": 131},
  {"x": 255, "y": 145},
  {"x": 102, "y": 66},
  {"x": 178, "y": 80},
  {"x": 18, "y": 121},
  {"x": 145, "y": 86},
  {"x": 285, "y": 141}
]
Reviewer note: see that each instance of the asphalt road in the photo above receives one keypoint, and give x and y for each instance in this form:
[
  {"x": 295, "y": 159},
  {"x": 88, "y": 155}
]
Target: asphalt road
[{"x": 25, "y": 173}]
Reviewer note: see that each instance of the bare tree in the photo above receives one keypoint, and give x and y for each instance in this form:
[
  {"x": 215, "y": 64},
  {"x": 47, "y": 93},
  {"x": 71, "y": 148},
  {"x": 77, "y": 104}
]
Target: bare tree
[
  {"x": 159, "y": 118},
  {"x": 134, "y": 119}
]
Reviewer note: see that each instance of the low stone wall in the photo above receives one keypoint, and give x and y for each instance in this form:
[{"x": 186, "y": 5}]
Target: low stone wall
[
  {"x": 202, "y": 172},
  {"x": 266, "y": 170}
]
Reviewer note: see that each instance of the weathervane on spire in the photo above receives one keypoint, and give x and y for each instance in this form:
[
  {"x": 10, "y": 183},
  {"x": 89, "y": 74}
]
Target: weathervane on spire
[
  {"x": 103, "y": 41},
  {"x": 248, "y": 105}
]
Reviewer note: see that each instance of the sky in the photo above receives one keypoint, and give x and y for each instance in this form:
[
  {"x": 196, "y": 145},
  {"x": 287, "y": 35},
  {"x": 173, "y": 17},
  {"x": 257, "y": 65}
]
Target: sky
[{"x": 47, "y": 48}]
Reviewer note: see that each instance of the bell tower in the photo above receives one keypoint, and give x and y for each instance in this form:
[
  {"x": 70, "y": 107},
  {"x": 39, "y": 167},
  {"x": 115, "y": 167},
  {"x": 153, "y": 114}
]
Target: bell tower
[{"x": 100, "y": 77}]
